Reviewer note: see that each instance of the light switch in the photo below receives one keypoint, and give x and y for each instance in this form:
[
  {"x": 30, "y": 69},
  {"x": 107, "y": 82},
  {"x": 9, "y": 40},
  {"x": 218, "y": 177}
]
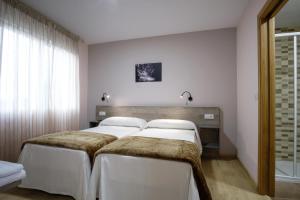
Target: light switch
[{"x": 209, "y": 116}]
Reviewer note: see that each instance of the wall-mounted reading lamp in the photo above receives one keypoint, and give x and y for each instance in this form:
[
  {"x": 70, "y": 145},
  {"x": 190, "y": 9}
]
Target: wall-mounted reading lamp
[
  {"x": 189, "y": 97},
  {"x": 105, "y": 96}
]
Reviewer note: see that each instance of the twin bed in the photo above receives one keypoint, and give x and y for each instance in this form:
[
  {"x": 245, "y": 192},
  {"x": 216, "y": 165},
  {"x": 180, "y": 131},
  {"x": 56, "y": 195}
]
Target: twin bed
[
  {"x": 135, "y": 165},
  {"x": 62, "y": 170}
]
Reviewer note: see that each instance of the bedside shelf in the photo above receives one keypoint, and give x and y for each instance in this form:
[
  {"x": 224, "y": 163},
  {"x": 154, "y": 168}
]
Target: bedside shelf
[
  {"x": 210, "y": 141},
  {"x": 93, "y": 124},
  {"x": 211, "y": 146}
]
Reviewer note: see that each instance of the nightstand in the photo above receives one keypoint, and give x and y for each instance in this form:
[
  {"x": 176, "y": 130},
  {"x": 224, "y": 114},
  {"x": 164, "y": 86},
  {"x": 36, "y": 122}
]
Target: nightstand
[
  {"x": 93, "y": 124},
  {"x": 209, "y": 130},
  {"x": 210, "y": 142}
]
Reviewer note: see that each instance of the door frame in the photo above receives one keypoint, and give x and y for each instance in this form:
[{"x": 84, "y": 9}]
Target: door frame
[{"x": 266, "y": 59}]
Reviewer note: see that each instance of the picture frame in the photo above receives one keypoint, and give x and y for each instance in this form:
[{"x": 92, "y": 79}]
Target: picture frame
[{"x": 148, "y": 72}]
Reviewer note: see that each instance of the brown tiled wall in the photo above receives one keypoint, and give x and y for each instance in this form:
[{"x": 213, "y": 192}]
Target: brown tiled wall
[{"x": 284, "y": 80}]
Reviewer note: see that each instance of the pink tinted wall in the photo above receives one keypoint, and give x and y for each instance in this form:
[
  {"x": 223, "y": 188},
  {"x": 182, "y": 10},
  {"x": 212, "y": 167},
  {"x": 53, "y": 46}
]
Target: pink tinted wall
[
  {"x": 247, "y": 88},
  {"x": 203, "y": 63}
]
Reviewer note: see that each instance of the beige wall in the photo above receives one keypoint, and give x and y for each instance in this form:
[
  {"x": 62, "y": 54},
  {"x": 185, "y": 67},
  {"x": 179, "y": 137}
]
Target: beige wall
[
  {"x": 83, "y": 79},
  {"x": 247, "y": 88},
  {"x": 202, "y": 62}
]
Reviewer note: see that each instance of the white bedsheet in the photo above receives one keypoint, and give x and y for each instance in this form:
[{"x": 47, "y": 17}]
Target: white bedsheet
[
  {"x": 60, "y": 170},
  {"x": 8, "y": 168},
  {"x": 118, "y": 131},
  {"x": 135, "y": 178},
  {"x": 12, "y": 178}
]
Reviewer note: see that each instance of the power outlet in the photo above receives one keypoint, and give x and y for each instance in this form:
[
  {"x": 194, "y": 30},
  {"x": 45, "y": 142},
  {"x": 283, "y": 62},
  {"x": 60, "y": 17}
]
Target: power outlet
[
  {"x": 209, "y": 116},
  {"x": 102, "y": 113}
]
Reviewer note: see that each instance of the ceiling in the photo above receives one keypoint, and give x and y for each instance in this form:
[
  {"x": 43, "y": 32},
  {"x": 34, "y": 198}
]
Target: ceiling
[
  {"x": 289, "y": 15},
  {"x": 99, "y": 21}
]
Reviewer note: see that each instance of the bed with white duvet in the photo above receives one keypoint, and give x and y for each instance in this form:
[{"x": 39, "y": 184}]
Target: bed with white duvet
[
  {"x": 67, "y": 171},
  {"x": 134, "y": 178}
]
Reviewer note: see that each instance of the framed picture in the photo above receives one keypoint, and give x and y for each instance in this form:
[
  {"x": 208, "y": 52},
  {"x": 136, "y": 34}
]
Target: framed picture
[{"x": 148, "y": 72}]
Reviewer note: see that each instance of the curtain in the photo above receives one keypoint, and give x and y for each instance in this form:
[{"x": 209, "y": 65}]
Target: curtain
[{"x": 39, "y": 80}]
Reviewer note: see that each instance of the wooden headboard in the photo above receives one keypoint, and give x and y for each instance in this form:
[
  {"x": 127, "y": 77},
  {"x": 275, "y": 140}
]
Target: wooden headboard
[{"x": 194, "y": 114}]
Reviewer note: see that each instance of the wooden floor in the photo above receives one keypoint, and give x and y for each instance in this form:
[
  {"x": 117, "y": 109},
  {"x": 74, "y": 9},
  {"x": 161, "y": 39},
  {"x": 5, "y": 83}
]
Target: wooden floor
[{"x": 227, "y": 180}]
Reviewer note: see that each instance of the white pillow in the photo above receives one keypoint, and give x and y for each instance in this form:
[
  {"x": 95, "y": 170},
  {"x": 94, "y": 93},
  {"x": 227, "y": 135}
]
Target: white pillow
[
  {"x": 171, "y": 124},
  {"x": 124, "y": 121}
]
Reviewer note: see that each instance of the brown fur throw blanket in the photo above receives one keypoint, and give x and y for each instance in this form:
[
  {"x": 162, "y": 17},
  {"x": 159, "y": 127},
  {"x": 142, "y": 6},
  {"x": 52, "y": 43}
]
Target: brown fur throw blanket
[
  {"x": 78, "y": 140},
  {"x": 176, "y": 150}
]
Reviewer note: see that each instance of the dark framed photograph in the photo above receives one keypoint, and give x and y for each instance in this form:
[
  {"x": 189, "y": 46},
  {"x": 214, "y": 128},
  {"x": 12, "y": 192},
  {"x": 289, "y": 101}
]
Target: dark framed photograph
[{"x": 148, "y": 72}]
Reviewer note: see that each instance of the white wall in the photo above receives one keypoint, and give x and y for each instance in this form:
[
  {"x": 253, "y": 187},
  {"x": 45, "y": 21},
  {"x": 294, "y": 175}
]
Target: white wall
[
  {"x": 83, "y": 79},
  {"x": 247, "y": 88},
  {"x": 202, "y": 62}
]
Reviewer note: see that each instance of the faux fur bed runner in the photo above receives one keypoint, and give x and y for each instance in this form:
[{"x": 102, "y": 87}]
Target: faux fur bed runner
[
  {"x": 176, "y": 150},
  {"x": 78, "y": 140}
]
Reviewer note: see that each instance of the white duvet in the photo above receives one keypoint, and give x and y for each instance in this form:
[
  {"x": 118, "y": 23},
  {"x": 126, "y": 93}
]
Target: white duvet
[
  {"x": 60, "y": 170},
  {"x": 134, "y": 178}
]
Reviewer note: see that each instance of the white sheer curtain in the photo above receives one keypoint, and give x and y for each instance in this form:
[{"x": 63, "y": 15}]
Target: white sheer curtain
[{"x": 39, "y": 80}]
